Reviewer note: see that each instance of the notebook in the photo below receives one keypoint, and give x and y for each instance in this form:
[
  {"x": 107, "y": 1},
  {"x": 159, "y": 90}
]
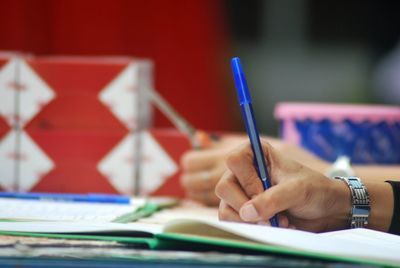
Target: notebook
[
  {"x": 353, "y": 245},
  {"x": 22, "y": 210}
]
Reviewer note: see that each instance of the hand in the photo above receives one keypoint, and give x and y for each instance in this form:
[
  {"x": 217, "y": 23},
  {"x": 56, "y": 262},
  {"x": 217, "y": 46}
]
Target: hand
[
  {"x": 202, "y": 169},
  {"x": 302, "y": 198}
]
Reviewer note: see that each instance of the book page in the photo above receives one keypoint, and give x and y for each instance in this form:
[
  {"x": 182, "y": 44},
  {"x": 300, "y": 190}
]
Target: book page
[
  {"x": 73, "y": 217},
  {"x": 194, "y": 221},
  {"x": 22, "y": 209},
  {"x": 366, "y": 237},
  {"x": 186, "y": 209},
  {"x": 70, "y": 227},
  {"x": 288, "y": 238}
]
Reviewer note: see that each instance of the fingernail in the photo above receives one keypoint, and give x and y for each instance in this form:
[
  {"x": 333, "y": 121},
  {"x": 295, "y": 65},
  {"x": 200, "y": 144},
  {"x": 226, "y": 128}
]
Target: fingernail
[
  {"x": 249, "y": 213},
  {"x": 266, "y": 223}
]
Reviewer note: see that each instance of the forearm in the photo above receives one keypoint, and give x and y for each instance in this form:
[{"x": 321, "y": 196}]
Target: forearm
[
  {"x": 377, "y": 172},
  {"x": 382, "y": 202}
]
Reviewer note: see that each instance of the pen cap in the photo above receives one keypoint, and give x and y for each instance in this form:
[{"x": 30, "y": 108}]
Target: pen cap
[{"x": 240, "y": 82}]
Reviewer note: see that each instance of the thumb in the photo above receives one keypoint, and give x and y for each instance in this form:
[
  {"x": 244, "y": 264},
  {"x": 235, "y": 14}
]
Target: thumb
[{"x": 272, "y": 201}]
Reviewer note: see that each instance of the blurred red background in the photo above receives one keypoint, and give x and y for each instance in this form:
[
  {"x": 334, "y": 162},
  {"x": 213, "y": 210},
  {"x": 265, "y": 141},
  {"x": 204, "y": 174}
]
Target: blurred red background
[{"x": 187, "y": 40}]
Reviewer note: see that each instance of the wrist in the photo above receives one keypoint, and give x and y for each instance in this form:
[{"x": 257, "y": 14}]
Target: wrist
[
  {"x": 342, "y": 204},
  {"x": 382, "y": 201}
]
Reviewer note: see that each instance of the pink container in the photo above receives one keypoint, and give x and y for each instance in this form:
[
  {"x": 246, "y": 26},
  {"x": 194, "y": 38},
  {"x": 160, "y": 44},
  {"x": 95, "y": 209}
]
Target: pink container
[{"x": 365, "y": 133}]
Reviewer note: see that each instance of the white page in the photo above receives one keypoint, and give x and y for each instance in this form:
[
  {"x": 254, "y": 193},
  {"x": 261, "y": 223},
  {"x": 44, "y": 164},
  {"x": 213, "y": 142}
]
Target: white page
[
  {"x": 306, "y": 241},
  {"x": 362, "y": 244},
  {"x": 19, "y": 209},
  {"x": 78, "y": 227},
  {"x": 366, "y": 237}
]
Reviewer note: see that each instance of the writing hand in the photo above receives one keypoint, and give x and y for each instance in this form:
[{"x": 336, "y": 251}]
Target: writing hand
[{"x": 302, "y": 198}]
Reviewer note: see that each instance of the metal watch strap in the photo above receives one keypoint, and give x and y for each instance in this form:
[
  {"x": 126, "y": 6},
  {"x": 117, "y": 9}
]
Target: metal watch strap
[{"x": 360, "y": 202}]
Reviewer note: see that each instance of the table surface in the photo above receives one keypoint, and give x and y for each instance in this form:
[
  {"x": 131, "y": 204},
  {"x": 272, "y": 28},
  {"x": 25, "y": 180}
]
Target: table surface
[{"x": 40, "y": 252}]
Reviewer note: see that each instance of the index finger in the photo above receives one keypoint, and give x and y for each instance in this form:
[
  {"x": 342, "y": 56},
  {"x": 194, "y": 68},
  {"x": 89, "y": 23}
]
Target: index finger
[
  {"x": 229, "y": 191},
  {"x": 241, "y": 163}
]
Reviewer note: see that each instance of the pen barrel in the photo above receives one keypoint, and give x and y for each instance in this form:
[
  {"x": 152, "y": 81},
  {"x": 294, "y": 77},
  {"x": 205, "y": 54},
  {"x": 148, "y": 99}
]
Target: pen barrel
[
  {"x": 274, "y": 221},
  {"x": 251, "y": 127},
  {"x": 252, "y": 131},
  {"x": 259, "y": 158},
  {"x": 240, "y": 81}
]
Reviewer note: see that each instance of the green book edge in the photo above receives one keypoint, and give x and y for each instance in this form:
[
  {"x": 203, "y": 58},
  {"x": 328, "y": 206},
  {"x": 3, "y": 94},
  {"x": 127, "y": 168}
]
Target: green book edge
[
  {"x": 175, "y": 241},
  {"x": 150, "y": 242},
  {"x": 170, "y": 240}
]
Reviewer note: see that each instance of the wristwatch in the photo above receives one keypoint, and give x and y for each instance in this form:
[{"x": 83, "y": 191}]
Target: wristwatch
[{"x": 360, "y": 201}]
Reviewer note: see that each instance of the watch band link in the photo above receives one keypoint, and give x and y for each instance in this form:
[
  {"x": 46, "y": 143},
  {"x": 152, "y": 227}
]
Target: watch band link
[{"x": 360, "y": 202}]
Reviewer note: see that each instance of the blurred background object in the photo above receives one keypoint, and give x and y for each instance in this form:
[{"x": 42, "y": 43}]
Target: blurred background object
[
  {"x": 314, "y": 51},
  {"x": 304, "y": 50},
  {"x": 186, "y": 40},
  {"x": 364, "y": 134}
]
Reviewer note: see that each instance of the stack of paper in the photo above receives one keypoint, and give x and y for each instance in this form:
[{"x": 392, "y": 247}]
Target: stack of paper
[{"x": 174, "y": 229}]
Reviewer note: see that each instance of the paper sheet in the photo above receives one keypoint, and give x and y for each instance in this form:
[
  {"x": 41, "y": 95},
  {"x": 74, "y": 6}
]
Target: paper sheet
[
  {"x": 365, "y": 244},
  {"x": 17, "y": 209}
]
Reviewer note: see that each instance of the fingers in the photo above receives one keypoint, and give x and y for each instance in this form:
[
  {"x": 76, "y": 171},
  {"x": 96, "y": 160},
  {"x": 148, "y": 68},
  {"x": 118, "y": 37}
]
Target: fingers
[
  {"x": 273, "y": 201},
  {"x": 201, "y": 172},
  {"x": 242, "y": 182},
  {"x": 226, "y": 213},
  {"x": 195, "y": 161},
  {"x": 298, "y": 196},
  {"x": 202, "y": 180},
  {"x": 229, "y": 191},
  {"x": 283, "y": 221},
  {"x": 206, "y": 197},
  {"x": 241, "y": 163}
]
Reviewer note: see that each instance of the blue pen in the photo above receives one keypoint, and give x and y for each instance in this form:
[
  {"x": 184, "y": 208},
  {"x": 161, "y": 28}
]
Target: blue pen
[
  {"x": 90, "y": 198},
  {"x": 248, "y": 117}
]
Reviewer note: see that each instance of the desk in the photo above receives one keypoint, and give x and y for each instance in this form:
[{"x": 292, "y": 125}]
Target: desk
[
  {"x": 84, "y": 251},
  {"x": 23, "y": 252}
]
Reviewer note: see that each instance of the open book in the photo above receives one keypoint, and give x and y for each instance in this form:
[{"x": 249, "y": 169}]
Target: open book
[
  {"x": 355, "y": 245},
  {"x": 42, "y": 210},
  {"x": 14, "y": 209}
]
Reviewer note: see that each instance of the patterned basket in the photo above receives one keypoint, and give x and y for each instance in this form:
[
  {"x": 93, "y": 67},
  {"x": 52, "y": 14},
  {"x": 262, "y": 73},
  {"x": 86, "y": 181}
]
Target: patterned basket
[{"x": 367, "y": 134}]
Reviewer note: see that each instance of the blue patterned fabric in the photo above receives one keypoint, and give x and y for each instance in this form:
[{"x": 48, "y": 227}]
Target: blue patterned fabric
[{"x": 364, "y": 142}]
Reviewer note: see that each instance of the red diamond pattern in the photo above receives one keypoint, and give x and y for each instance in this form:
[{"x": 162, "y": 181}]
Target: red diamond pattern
[
  {"x": 75, "y": 129},
  {"x": 4, "y": 127}
]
